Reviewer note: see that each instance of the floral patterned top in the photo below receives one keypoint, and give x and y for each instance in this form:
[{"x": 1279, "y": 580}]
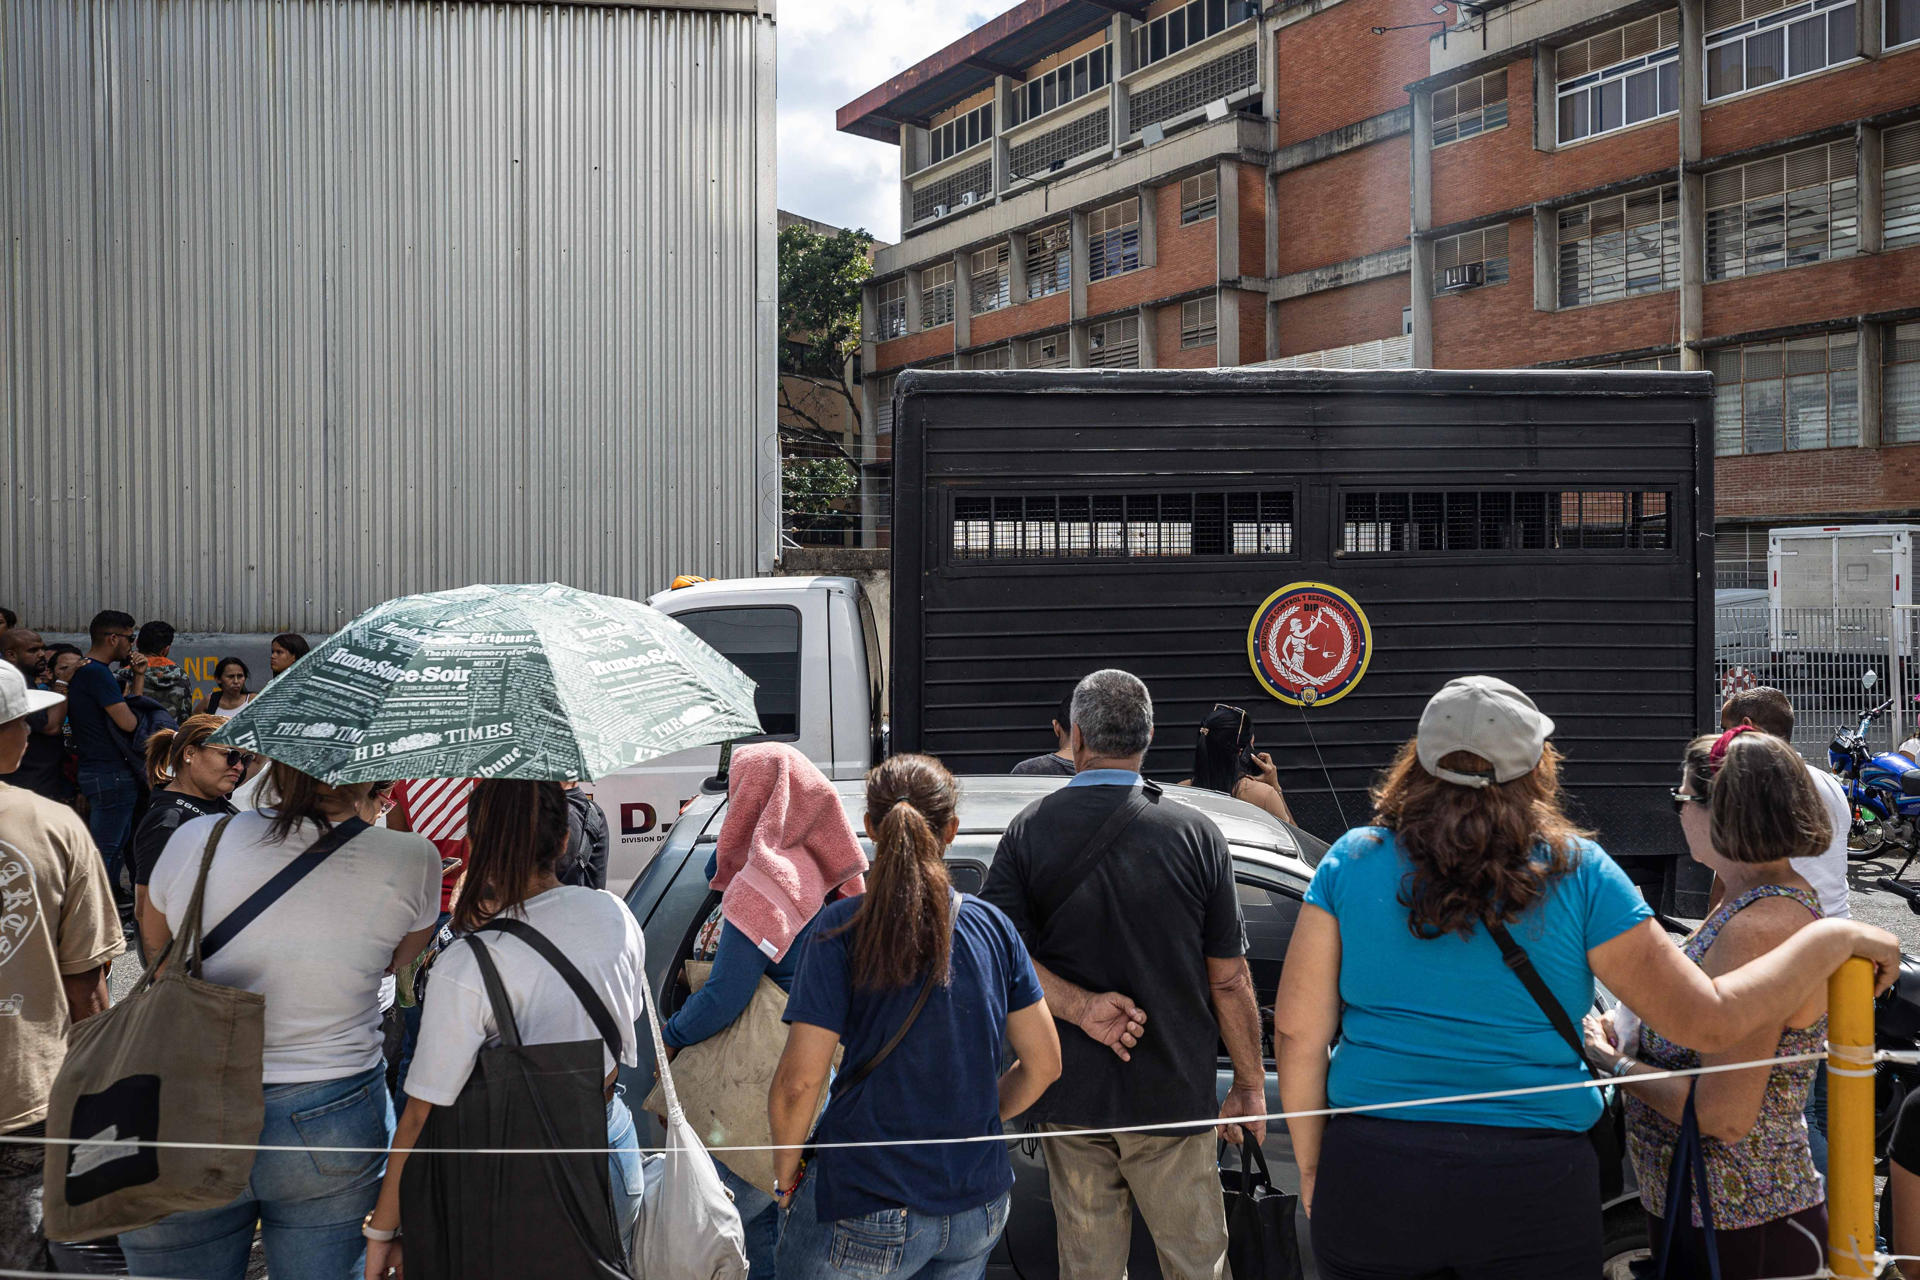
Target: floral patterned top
[{"x": 1768, "y": 1174}]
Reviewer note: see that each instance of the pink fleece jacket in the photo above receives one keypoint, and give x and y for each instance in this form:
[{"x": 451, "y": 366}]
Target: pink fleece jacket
[{"x": 785, "y": 846}]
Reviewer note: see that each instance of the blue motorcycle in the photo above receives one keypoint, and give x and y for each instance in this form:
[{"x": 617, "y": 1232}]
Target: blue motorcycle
[{"x": 1884, "y": 792}]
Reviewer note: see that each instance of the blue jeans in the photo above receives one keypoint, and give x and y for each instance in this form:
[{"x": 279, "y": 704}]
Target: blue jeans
[
  {"x": 892, "y": 1242},
  {"x": 624, "y": 1170},
  {"x": 1817, "y": 1119},
  {"x": 309, "y": 1204},
  {"x": 112, "y": 795},
  {"x": 760, "y": 1215},
  {"x": 410, "y": 1031}
]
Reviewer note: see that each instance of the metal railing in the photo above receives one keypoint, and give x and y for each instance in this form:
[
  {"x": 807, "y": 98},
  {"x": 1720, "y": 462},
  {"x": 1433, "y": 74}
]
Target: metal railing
[{"x": 1820, "y": 659}]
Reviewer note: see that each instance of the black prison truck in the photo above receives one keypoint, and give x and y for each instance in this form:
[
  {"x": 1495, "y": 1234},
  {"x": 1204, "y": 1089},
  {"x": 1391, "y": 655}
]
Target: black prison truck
[{"x": 1324, "y": 549}]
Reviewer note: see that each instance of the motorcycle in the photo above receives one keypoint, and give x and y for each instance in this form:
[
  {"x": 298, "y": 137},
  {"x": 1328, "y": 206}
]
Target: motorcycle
[{"x": 1883, "y": 791}]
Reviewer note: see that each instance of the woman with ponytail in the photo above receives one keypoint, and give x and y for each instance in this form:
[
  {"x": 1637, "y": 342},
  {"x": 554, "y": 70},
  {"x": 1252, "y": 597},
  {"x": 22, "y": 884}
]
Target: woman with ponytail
[
  {"x": 190, "y": 780},
  {"x": 925, "y": 987}
]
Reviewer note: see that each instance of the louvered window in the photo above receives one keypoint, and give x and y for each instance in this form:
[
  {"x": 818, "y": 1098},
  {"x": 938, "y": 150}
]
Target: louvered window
[
  {"x": 1619, "y": 247},
  {"x": 1049, "y": 260},
  {"x": 1199, "y": 197},
  {"x": 936, "y": 296},
  {"x": 1472, "y": 107},
  {"x": 1113, "y": 239},
  {"x": 992, "y": 358},
  {"x": 1411, "y": 523},
  {"x": 1801, "y": 394},
  {"x": 1121, "y": 526},
  {"x": 1787, "y": 211},
  {"x": 1471, "y": 260},
  {"x": 1900, "y": 380},
  {"x": 1755, "y": 43},
  {"x": 1114, "y": 344},
  {"x": 1199, "y": 323},
  {"x": 1619, "y": 78},
  {"x": 1049, "y": 351},
  {"x": 883, "y": 405},
  {"x": 962, "y": 133},
  {"x": 1900, "y": 185},
  {"x": 987, "y": 279},
  {"x": 1086, "y": 74},
  {"x": 890, "y": 310}
]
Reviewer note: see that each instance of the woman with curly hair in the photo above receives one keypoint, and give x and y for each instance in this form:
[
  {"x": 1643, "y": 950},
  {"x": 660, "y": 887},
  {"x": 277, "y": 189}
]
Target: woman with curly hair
[{"x": 1419, "y": 950}]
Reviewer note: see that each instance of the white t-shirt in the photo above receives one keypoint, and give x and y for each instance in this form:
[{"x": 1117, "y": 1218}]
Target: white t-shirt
[
  {"x": 319, "y": 953},
  {"x": 1827, "y": 873},
  {"x": 592, "y": 928}
]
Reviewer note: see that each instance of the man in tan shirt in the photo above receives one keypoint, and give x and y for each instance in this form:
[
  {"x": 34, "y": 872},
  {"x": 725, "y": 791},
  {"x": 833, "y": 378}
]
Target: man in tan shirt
[{"x": 58, "y": 934}]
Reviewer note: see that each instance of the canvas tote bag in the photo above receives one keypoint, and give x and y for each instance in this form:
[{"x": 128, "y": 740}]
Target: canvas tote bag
[{"x": 178, "y": 1060}]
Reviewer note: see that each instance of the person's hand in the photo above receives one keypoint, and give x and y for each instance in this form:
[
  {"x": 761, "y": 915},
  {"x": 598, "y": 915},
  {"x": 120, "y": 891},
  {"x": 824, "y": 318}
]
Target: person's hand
[
  {"x": 383, "y": 1260},
  {"x": 1269, "y": 773},
  {"x": 1113, "y": 1020},
  {"x": 1244, "y": 1100},
  {"x": 1882, "y": 948},
  {"x": 136, "y": 663},
  {"x": 1602, "y": 1052}
]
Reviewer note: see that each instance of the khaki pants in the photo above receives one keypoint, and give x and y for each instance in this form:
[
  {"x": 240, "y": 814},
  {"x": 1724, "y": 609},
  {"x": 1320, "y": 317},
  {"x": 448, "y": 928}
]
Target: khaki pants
[{"x": 1175, "y": 1181}]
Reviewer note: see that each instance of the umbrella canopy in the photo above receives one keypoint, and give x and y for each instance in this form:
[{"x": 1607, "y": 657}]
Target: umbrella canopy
[{"x": 497, "y": 682}]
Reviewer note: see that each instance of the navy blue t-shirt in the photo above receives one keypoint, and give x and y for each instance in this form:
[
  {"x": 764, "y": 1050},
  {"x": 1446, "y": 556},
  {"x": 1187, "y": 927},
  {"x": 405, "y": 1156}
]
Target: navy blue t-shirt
[
  {"x": 943, "y": 1081},
  {"x": 91, "y": 691}
]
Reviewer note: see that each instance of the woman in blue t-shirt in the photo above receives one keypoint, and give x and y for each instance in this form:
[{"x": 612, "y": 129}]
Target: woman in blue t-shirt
[
  {"x": 948, "y": 969},
  {"x": 1393, "y": 959}
]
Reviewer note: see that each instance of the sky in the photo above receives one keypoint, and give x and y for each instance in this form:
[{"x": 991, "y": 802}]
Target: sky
[{"x": 831, "y": 52}]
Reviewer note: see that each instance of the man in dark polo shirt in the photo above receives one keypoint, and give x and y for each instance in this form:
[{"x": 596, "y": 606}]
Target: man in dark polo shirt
[
  {"x": 1136, "y": 934},
  {"x": 1057, "y": 763}
]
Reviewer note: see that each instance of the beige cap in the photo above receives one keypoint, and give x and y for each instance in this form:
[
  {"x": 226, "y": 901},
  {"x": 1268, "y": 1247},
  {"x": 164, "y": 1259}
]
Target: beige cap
[
  {"x": 1488, "y": 717},
  {"x": 17, "y": 700}
]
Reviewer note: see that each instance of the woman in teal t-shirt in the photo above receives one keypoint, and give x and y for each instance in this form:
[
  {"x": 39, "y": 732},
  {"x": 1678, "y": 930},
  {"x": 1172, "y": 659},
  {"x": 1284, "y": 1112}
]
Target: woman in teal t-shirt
[{"x": 1392, "y": 959}]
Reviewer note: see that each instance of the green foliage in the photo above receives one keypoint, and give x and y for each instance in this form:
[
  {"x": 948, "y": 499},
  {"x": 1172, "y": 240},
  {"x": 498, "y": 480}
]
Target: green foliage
[
  {"x": 820, "y": 278},
  {"x": 813, "y": 485}
]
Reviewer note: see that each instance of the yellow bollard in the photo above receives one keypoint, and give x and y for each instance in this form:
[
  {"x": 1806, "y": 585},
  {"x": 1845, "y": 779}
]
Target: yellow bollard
[{"x": 1850, "y": 1237}]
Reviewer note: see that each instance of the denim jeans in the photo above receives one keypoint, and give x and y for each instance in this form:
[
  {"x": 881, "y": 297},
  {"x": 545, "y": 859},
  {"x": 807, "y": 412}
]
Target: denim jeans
[
  {"x": 1817, "y": 1119},
  {"x": 889, "y": 1243},
  {"x": 309, "y": 1204},
  {"x": 112, "y": 795},
  {"x": 410, "y": 1031},
  {"x": 624, "y": 1170},
  {"x": 760, "y": 1215}
]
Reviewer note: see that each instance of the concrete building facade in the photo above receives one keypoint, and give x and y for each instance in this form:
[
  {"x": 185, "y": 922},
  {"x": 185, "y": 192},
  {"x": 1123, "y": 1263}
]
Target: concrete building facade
[{"x": 1730, "y": 185}]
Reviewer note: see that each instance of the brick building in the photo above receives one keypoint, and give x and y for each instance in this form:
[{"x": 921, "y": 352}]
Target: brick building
[{"x": 1731, "y": 185}]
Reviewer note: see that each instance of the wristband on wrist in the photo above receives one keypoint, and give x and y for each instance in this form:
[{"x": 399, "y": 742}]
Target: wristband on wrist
[
  {"x": 374, "y": 1233},
  {"x": 1621, "y": 1066}
]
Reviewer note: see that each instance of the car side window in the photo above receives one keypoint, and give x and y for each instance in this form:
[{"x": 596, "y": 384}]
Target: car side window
[
  {"x": 1270, "y": 913},
  {"x": 765, "y": 644}
]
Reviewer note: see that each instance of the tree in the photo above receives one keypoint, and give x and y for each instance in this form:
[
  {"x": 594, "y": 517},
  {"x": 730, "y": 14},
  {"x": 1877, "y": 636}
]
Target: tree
[{"x": 820, "y": 279}]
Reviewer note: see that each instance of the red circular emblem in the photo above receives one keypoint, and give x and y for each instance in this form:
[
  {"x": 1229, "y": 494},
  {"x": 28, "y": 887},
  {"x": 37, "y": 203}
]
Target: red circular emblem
[
  {"x": 1737, "y": 680},
  {"x": 1309, "y": 643}
]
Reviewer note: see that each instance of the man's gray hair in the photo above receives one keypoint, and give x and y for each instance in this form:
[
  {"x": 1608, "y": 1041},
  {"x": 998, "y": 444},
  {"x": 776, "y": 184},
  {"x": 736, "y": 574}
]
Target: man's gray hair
[{"x": 1114, "y": 713}]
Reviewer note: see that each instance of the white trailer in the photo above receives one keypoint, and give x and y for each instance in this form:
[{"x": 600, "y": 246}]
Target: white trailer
[{"x": 1834, "y": 588}]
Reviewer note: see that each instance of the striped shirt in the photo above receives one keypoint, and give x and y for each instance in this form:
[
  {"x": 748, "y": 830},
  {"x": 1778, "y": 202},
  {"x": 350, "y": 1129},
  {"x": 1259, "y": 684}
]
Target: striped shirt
[{"x": 437, "y": 809}]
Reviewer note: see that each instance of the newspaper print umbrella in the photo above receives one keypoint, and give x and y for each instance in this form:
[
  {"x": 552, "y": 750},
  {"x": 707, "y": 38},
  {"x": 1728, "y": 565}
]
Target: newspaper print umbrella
[{"x": 497, "y": 682}]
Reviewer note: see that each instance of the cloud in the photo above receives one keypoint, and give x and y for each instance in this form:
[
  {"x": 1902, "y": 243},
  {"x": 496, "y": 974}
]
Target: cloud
[{"x": 831, "y": 52}]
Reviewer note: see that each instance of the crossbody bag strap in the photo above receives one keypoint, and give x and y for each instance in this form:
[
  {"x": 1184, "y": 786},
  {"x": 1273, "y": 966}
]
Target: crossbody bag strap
[
  {"x": 503, "y": 1018},
  {"x": 1075, "y": 872},
  {"x": 1523, "y": 969},
  {"x": 273, "y": 890},
  {"x": 603, "y": 1019},
  {"x": 865, "y": 1069}
]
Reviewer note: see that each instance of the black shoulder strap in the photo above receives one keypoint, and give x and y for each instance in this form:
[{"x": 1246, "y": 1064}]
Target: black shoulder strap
[
  {"x": 1056, "y": 892},
  {"x": 1523, "y": 969},
  {"x": 503, "y": 1018},
  {"x": 273, "y": 890},
  {"x": 865, "y": 1069},
  {"x": 597, "y": 1010}
]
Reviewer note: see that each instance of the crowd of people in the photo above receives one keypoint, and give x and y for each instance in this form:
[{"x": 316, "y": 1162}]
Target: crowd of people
[{"x": 844, "y": 994}]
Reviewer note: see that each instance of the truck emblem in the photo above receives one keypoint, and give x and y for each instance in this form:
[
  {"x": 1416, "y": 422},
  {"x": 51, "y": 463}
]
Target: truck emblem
[{"x": 1309, "y": 644}]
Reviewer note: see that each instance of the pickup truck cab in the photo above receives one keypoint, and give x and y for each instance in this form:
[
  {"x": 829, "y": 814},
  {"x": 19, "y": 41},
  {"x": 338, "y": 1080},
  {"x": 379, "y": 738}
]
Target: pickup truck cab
[{"x": 812, "y": 647}]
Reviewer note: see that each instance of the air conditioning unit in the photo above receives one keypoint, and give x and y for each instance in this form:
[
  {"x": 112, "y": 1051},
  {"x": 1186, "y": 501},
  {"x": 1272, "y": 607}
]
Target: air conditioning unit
[
  {"x": 1465, "y": 276},
  {"x": 967, "y": 198},
  {"x": 1217, "y": 109},
  {"x": 939, "y": 211}
]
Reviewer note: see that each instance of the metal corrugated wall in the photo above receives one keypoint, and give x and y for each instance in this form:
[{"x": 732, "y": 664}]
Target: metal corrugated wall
[{"x": 311, "y": 303}]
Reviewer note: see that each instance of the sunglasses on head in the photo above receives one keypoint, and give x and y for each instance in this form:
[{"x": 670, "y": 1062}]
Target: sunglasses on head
[{"x": 1681, "y": 799}]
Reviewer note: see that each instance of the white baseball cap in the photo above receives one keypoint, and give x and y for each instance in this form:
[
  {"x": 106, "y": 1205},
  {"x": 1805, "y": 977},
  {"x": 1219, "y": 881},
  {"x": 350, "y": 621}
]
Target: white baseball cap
[
  {"x": 17, "y": 700},
  {"x": 1491, "y": 719}
]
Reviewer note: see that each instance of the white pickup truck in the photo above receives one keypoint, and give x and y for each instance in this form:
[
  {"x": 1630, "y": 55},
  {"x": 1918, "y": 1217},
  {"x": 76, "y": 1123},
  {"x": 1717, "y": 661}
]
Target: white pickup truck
[{"x": 812, "y": 647}]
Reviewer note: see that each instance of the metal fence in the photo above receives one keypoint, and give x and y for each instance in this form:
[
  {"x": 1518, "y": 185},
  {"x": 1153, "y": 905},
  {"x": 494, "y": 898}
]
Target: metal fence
[{"x": 1821, "y": 659}]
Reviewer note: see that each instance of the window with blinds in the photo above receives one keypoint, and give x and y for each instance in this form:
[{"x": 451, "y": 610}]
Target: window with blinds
[
  {"x": 1199, "y": 323},
  {"x": 987, "y": 279},
  {"x": 1787, "y": 211},
  {"x": 1801, "y": 394},
  {"x": 1407, "y": 523},
  {"x": 1199, "y": 197},
  {"x": 1619, "y": 78},
  {"x": 890, "y": 310},
  {"x": 1619, "y": 247},
  {"x": 1471, "y": 260},
  {"x": 1119, "y": 526},
  {"x": 1470, "y": 108},
  {"x": 1113, "y": 239},
  {"x": 1755, "y": 43},
  {"x": 1900, "y": 384},
  {"x": 883, "y": 404},
  {"x": 1900, "y": 185},
  {"x": 936, "y": 296},
  {"x": 992, "y": 358},
  {"x": 1049, "y": 260},
  {"x": 1048, "y": 351},
  {"x": 1114, "y": 344}
]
